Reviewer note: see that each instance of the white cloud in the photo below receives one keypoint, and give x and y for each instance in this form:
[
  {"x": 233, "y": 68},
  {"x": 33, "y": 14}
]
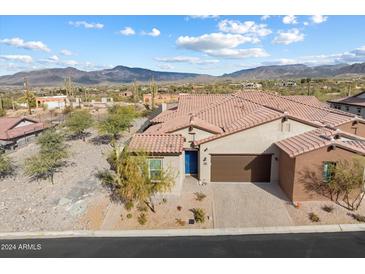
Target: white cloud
[
  {"x": 201, "y": 17},
  {"x": 71, "y": 63},
  {"x": 265, "y": 17},
  {"x": 352, "y": 56},
  {"x": 318, "y": 19},
  {"x": 247, "y": 27},
  {"x": 165, "y": 66},
  {"x": 127, "y": 31},
  {"x": 290, "y": 19},
  {"x": 154, "y": 32},
  {"x": 288, "y": 37},
  {"x": 54, "y": 58},
  {"x": 305, "y": 23},
  {"x": 213, "y": 41},
  {"x": 17, "y": 58},
  {"x": 86, "y": 25},
  {"x": 66, "y": 52},
  {"x": 20, "y": 43},
  {"x": 238, "y": 53},
  {"x": 186, "y": 59}
]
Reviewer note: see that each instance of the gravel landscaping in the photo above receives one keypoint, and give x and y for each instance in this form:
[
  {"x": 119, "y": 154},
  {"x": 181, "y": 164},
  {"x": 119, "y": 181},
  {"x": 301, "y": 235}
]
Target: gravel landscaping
[{"x": 40, "y": 205}]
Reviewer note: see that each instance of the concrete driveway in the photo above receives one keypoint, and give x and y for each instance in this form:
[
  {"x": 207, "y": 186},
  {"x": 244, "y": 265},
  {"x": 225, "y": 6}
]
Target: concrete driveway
[{"x": 248, "y": 205}]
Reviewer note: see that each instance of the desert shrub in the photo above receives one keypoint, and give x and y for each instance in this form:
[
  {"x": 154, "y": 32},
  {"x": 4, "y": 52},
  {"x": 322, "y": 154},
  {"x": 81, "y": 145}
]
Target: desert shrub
[
  {"x": 313, "y": 217},
  {"x": 129, "y": 215},
  {"x": 179, "y": 208},
  {"x": 358, "y": 217},
  {"x": 78, "y": 121},
  {"x": 128, "y": 205},
  {"x": 199, "y": 196},
  {"x": 142, "y": 208},
  {"x": 6, "y": 166},
  {"x": 142, "y": 219},
  {"x": 327, "y": 208},
  {"x": 180, "y": 222},
  {"x": 199, "y": 215},
  {"x": 2, "y": 112},
  {"x": 164, "y": 200}
]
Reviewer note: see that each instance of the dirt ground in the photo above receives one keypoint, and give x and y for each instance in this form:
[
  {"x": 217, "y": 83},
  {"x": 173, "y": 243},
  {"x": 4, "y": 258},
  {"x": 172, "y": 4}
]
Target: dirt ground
[{"x": 106, "y": 215}]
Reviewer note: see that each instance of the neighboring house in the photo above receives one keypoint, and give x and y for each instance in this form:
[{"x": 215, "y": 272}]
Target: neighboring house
[
  {"x": 353, "y": 104},
  {"x": 52, "y": 102},
  {"x": 18, "y": 131},
  {"x": 252, "y": 137},
  {"x": 126, "y": 94},
  {"x": 251, "y": 85},
  {"x": 160, "y": 98}
]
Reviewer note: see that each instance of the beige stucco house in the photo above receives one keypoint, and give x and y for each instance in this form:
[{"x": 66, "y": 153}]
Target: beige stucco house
[{"x": 250, "y": 137}]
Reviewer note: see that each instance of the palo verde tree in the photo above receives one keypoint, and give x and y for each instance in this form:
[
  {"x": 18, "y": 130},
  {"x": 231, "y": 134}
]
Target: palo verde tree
[
  {"x": 78, "y": 121},
  {"x": 130, "y": 180},
  {"x": 118, "y": 120},
  {"x": 346, "y": 183},
  {"x": 51, "y": 156}
]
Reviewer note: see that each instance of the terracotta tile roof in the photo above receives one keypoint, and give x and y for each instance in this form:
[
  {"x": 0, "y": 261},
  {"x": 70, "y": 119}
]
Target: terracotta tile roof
[
  {"x": 319, "y": 138},
  {"x": 157, "y": 143},
  {"x": 189, "y": 104},
  {"x": 229, "y": 113},
  {"x": 305, "y": 111},
  {"x": 253, "y": 119},
  {"x": 9, "y": 131}
]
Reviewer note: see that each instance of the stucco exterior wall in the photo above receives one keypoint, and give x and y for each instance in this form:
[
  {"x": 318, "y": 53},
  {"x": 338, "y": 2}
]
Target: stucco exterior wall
[
  {"x": 195, "y": 134},
  {"x": 357, "y": 129},
  {"x": 175, "y": 163},
  {"x": 357, "y": 110},
  {"x": 309, "y": 171},
  {"x": 257, "y": 140},
  {"x": 286, "y": 173}
]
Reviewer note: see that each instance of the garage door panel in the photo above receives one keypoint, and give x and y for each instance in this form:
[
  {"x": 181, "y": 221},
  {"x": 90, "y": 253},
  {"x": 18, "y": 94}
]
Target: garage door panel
[{"x": 241, "y": 168}]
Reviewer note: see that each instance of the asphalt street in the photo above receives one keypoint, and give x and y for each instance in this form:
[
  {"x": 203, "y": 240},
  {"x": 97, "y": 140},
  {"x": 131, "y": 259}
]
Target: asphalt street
[{"x": 351, "y": 244}]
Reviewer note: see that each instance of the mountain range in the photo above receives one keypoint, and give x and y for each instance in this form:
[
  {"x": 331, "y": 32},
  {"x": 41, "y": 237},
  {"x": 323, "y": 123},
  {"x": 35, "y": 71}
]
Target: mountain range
[{"x": 123, "y": 74}]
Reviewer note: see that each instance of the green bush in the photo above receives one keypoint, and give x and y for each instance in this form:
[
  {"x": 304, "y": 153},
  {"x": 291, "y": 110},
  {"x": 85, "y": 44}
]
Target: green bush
[
  {"x": 128, "y": 205},
  {"x": 6, "y": 166},
  {"x": 2, "y": 112},
  {"x": 142, "y": 219},
  {"x": 199, "y": 215},
  {"x": 129, "y": 215},
  {"x": 142, "y": 208},
  {"x": 313, "y": 217}
]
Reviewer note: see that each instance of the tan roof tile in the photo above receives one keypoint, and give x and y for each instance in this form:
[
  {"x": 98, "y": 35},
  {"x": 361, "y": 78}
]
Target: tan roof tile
[{"x": 157, "y": 143}]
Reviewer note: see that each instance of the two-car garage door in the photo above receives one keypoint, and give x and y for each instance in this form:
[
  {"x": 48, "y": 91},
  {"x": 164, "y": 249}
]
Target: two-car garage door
[{"x": 240, "y": 168}]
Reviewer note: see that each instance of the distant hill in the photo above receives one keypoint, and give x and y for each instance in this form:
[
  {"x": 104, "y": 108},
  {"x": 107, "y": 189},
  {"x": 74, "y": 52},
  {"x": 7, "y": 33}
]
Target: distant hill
[
  {"x": 119, "y": 74},
  {"x": 122, "y": 74},
  {"x": 296, "y": 71}
]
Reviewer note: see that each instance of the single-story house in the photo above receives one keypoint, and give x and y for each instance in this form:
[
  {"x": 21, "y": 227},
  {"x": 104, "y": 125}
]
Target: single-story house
[
  {"x": 52, "y": 102},
  {"x": 354, "y": 104},
  {"x": 252, "y": 136},
  {"x": 160, "y": 98},
  {"x": 17, "y": 131}
]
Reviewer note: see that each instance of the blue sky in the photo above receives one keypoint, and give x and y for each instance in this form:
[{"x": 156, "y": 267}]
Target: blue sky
[{"x": 201, "y": 44}]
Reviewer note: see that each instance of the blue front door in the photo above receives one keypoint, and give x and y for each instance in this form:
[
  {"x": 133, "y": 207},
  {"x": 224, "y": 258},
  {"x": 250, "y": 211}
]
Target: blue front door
[{"x": 191, "y": 162}]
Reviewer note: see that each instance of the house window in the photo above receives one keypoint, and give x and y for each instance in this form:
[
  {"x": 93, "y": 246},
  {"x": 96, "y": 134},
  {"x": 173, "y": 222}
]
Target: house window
[
  {"x": 328, "y": 171},
  {"x": 347, "y": 108},
  {"x": 358, "y": 110},
  {"x": 155, "y": 169}
]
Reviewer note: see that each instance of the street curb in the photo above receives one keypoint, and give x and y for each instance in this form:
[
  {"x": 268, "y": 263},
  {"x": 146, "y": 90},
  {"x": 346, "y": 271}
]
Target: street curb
[{"x": 185, "y": 232}]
